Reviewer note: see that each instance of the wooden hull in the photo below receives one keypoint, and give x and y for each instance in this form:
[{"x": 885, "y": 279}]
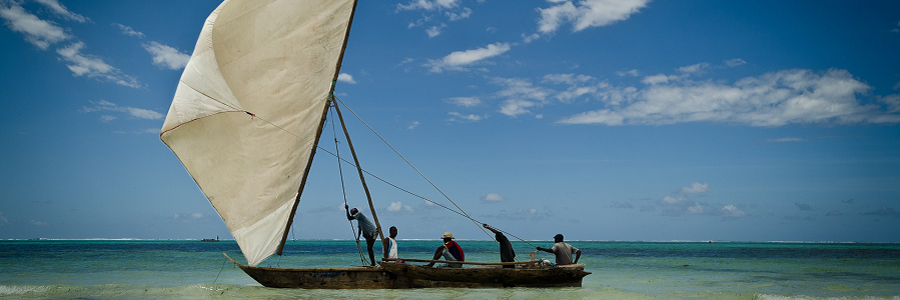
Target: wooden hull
[
  {"x": 343, "y": 278},
  {"x": 563, "y": 276},
  {"x": 404, "y": 276}
]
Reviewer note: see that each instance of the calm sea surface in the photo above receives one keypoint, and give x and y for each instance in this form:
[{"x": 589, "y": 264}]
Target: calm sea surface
[{"x": 129, "y": 269}]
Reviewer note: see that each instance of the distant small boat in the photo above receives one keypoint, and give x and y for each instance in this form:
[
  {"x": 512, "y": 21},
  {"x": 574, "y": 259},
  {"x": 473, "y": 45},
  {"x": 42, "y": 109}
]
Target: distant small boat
[{"x": 211, "y": 240}]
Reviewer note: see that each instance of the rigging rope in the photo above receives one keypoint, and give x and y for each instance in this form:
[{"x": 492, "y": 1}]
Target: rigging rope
[
  {"x": 220, "y": 270},
  {"x": 362, "y": 258},
  {"x": 458, "y": 209},
  {"x": 478, "y": 224}
]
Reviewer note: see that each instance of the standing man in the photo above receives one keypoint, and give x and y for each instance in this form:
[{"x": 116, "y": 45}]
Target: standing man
[
  {"x": 507, "y": 254},
  {"x": 563, "y": 251},
  {"x": 366, "y": 228},
  {"x": 450, "y": 250}
]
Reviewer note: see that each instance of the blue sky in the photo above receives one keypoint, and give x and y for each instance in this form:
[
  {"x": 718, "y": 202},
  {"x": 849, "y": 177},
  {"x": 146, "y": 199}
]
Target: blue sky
[{"x": 602, "y": 120}]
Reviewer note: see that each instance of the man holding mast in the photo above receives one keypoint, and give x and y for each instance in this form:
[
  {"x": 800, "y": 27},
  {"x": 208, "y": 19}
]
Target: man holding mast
[
  {"x": 366, "y": 228},
  {"x": 507, "y": 254}
]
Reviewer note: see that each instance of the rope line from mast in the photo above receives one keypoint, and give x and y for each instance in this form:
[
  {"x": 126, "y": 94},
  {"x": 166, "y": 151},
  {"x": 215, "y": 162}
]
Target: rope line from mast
[
  {"x": 337, "y": 152},
  {"x": 460, "y": 211}
]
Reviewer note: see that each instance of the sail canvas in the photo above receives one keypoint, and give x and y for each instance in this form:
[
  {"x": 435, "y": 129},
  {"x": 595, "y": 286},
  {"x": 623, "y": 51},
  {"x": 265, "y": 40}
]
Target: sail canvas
[{"x": 248, "y": 109}]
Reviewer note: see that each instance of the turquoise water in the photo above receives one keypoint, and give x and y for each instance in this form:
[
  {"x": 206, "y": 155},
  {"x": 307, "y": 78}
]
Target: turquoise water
[{"x": 128, "y": 269}]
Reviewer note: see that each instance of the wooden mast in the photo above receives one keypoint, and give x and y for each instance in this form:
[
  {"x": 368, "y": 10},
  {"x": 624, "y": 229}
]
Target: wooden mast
[{"x": 362, "y": 178}]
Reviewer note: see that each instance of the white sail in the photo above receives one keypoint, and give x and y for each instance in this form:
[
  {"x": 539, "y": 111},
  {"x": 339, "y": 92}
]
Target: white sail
[{"x": 276, "y": 59}]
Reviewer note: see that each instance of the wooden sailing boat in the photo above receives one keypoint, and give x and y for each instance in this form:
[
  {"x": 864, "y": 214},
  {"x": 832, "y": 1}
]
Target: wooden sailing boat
[{"x": 246, "y": 119}]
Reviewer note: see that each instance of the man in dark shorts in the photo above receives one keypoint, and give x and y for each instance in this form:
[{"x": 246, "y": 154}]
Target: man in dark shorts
[{"x": 366, "y": 228}]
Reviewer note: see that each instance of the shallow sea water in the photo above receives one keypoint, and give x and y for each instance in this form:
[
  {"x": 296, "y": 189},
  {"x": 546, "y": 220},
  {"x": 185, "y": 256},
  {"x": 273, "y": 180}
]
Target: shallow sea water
[{"x": 140, "y": 269}]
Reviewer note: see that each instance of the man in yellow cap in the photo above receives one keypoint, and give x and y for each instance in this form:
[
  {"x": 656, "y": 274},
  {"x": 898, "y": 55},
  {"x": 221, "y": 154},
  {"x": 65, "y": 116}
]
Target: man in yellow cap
[{"x": 450, "y": 250}]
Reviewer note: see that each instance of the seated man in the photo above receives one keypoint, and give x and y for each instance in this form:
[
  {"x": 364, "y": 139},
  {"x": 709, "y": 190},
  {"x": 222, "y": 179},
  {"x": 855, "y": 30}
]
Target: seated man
[
  {"x": 390, "y": 244},
  {"x": 450, "y": 250}
]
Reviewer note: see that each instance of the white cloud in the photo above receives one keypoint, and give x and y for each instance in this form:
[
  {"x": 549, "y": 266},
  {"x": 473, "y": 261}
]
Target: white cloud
[
  {"x": 692, "y": 69},
  {"x": 127, "y": 30},
  {"x": 344, "y": 77},
  {"x": 104, "y": 105},
  {"x": 675, "y": 200},
  {"x": 167, "y": 57},
  {"x": 732, "y": 211},
  {"x": 676, "y": 206},
  {"x": 38, "y": 32},
  {"x": 774, "y": 99},
  {"x": 530, "y": 38},
  {"x": 451, "y": 12},
  {"x": 632, "y": 73},
  {"x": 62, "y": 11},
  {"x": 520, "y": 95},
  {"x": 434, "y": 31},
  {"x": 521, "y": 89},
  {"x": 38, "y": 223},
  {"x": 187, "y": 218},
  {"x": 464, "y": 14},
  {"x": 398, "y": 206},
  {"x": 735, "y": 62},
  {"x": 679, "y": 206},
  {"x": 428, "y": 5},
  {"x": 587, "y": 13},
  {"x": 413, "y": 125},
  {"x": 492, "y": 197},
  {"x": 892, "y": 102},
  {"x": 143, "y": 113},
  {"x": 695, "y": 209},
  {"x": 418, "y": 22},
  {"x": 3, "y": 219},
  {"x": 464, "y": 101},
  {"x": 107, "y": 118},
  {"x": 695, "y": 188},
  {"x": 577, "y": 85},
  {"x": 83, "y": 65},
  {"x": 458, "y": 60},
  {"x": 42, "y": 34},
  {"x": 515, "y": 107},
  {"x": 570, "y": 79},
  {"x": 461, "y": 117}
]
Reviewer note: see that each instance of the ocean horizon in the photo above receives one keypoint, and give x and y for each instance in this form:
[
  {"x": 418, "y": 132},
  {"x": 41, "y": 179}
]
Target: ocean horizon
[{"x": 192, "y": 269}]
